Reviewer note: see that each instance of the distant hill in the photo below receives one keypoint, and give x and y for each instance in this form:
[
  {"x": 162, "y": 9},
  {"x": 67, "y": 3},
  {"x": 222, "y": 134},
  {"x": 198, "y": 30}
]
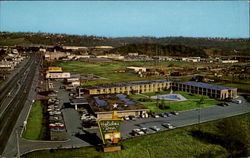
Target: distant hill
[
  {"x": 210, "y": 45},
  {"x": 157, "y": 49}
]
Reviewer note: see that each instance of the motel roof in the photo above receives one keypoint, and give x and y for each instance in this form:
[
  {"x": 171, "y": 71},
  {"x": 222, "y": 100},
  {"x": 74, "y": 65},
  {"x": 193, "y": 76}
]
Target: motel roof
[
  {"x": 111, "y": 102},
  {"x": 206, "y": 85},
  {"x": 132, "y": 83}
]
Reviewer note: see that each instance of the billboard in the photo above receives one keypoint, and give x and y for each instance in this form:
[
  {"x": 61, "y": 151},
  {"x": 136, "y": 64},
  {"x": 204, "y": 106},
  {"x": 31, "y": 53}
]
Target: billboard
[
  {"x": 55, "y": 69},
  {"x": 109, "y": 129}
]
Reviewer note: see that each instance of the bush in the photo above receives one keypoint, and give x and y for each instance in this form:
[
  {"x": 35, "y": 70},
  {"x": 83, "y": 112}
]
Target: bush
[
  {"x": 163, "y": 106},
  {"x": 145, "y": 100}
]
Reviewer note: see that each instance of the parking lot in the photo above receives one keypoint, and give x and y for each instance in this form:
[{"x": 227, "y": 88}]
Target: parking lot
[{"x": 79, "y": 123}]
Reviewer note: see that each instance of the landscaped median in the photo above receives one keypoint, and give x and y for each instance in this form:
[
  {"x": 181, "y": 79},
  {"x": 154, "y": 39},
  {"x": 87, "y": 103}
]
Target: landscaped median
[
  {"x": 35, "y": 128},
  {"x": 193, "y": 101}
]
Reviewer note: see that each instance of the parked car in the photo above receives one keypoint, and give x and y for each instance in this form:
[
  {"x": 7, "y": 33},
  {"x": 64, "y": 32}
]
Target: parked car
[
  {"x": 52, "y": 125},
  {"x": 155, "y": 128},
  {"x": 126, "y": 118},
  {"x": 238, "y": 101},
  {"x": 163, "y": 115},
  {"x": 223, "y": 104},
  {"x": 59, "y": 125},
  {"x": 155, "y": 116},
  {"x": 168, "y": 114},
  {"x": 57, "y": 112},
  {"x": 132, "y": 117},
  {"x": 175, "y": 113},
  {"x": 56, "y": 129},
  {"x": 137, "y": 132},
  {"x": 168, "y": 125},
  {"x": 144, "y": 129}
]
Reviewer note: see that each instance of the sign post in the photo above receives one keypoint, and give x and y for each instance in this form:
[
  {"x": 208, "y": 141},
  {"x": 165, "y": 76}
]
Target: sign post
[{"x": 110, "y": 133}]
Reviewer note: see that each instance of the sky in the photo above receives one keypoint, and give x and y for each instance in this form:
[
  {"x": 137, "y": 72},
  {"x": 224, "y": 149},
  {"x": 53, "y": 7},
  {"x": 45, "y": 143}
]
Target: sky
[{"x": 128, "y": 18}]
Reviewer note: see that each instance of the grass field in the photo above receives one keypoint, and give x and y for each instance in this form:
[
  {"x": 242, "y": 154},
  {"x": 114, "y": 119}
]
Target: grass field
[
  {"x": 191, "y": 103},
  {"x": 15, "y": 41},
  {"x": 181, "y": 142},
  {"x": 241, "y": 86},
  {"x": 103, "y": 67},
  {"x": 106, "y": 70},
  {"x": 35, "y": 128}
]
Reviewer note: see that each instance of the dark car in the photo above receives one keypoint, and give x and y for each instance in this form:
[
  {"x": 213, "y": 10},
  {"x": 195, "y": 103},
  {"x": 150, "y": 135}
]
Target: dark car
[
  {"x": 223, "y": 104},
  {"x": 175, "y": 113},
  {"x": 163, "y": 115},
  {"x": 144, "y": 129},
  {"x": 168, "y": 114},
  {"x": 132, "y": 117}
]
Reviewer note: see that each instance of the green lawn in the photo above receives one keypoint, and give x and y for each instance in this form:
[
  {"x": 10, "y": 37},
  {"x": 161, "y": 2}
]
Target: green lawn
[
  {"x": 191, "y": 103},
  {"x": 106, "y": 70},
  {"x": 35, "y": 128},
  {"x": 242, "y": 86},
  {"x": 181, "y": 142}
]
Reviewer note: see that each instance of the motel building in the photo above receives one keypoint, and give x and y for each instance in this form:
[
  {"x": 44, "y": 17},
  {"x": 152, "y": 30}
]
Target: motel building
[
  {"x": 127, "y": 88},
  {"x": 56, "y": 73},
  {"x": 211, "y": 90},
  {"x": 103, "y": 106}
]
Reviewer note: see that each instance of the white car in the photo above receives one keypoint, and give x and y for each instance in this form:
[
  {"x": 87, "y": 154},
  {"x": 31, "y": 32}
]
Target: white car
[
  {"x": 137, "y": 132},
  {"x": 126, "y": 118},
  {"x": 144, "y": 129},
  {"x": 156, "y": 116},
  {"x": 168, "y": 125},
  {"x": 155, "y": 128}
]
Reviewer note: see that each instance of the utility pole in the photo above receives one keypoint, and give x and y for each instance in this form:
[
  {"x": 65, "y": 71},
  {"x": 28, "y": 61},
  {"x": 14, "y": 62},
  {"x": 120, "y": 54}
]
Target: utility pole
[
  {"x": 199, "y": 114},
  {"x": 17, "y": 143}
]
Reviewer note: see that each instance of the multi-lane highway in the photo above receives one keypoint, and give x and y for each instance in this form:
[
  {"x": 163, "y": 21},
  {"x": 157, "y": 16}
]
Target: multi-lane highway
[{"x": 13, "y": 96}]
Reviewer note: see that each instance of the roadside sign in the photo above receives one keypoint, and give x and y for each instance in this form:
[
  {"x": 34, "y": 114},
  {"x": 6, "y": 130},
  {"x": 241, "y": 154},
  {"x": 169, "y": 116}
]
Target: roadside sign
[{"x": 109, "y": 129}]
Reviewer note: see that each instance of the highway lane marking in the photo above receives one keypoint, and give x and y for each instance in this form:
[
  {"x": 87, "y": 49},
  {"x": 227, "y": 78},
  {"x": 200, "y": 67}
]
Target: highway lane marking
[{"x": 17, "y": 91}]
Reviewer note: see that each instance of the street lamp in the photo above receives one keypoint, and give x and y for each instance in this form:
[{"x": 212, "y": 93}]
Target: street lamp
[{"x": 17, "y": 143}]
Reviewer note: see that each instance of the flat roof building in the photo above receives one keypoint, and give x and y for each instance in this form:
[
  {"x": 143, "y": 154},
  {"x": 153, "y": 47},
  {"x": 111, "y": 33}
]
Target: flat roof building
[
  {"x": 104, "y": 105},
  {"x": 127, "y": 87},
  {"x": 211, "y": 90},
  {"x": 57, "y": 75}
]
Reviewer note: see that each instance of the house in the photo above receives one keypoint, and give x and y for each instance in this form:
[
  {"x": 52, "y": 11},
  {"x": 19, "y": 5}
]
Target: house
[
  {"x": 51, "y": 56},
  {"x": 229, "y": 61},
  {"x": 111, "y": 56},
  {"x": 57, "y": 75},
  {"x": 136, "y": 69},
  {"x": 74, "y": 47},
  {"x": 191, "y": 59},
  {"x": 133, "y": 54}
]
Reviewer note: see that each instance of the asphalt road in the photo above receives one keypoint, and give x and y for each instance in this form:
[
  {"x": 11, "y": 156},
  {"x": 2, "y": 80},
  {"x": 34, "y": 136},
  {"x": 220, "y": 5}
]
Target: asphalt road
[{"x": 13, "y": 99}]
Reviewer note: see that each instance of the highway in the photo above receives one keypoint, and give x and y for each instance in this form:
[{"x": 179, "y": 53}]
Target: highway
[{"x": 13, "y": 97}]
